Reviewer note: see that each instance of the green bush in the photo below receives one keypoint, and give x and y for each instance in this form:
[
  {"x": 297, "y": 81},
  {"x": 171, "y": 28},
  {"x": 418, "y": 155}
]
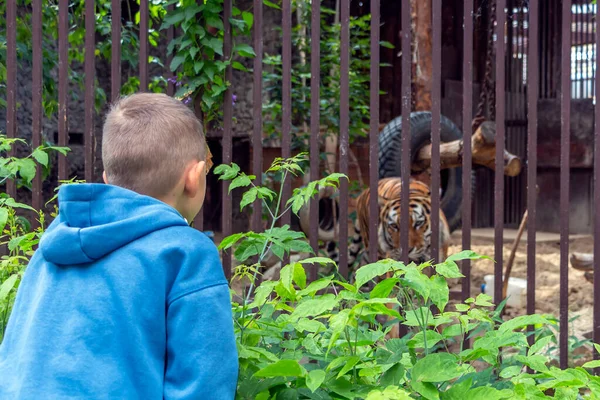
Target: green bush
[{"x": 322, "y": 340}]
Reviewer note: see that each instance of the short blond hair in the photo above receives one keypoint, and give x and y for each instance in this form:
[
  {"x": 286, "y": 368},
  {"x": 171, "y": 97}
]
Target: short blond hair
[{"x": 147, "y": 141}]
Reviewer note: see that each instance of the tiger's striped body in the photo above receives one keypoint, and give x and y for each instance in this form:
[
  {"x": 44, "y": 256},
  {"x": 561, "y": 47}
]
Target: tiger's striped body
[{"x": 388, "y": 229}]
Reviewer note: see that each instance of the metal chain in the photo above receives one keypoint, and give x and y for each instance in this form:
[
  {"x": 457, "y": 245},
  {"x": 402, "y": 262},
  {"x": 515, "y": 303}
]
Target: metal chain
[{"x": 487, "y": 98}]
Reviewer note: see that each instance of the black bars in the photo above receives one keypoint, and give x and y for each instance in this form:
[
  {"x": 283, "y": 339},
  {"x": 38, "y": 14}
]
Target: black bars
[
  {"x": 257, "y": 157},
  {"x": 36, "y": 98},
  {"x": 315, "y": 81},
  {"x": 596, "y": 319},
  {"x": 532, "y": 109},
  {"x": 63, "y": 84},
  {"x": 374, "y": 126},
  {"x": 90, "y": 74},
  {"x": 144, "y": 45},
  {"x": 500, "y": 137},
  {"x": 11, "y": 81},
  {"x": 115, "y": 58},
  {"x": 436, "y": 110},
  {"x": 227, "y": 133},
  {"x": 565, "y": 143},
  {"x": 467, "y": 133},
  {"x": 286, "y": 102},
  {"x": 344, "y": 130},
  {"x": 406, "y": 110}
]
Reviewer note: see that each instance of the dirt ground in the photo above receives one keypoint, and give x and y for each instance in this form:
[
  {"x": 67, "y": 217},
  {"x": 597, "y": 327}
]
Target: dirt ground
[{"x": 547, "y": 278}]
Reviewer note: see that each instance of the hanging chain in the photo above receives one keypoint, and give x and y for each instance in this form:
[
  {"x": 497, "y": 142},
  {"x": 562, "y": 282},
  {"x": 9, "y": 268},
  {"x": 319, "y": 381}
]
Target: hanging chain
[{"x": 487, "y": 97}]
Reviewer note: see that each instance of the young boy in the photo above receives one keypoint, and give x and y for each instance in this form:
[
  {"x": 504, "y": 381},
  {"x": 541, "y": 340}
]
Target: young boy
[{"x": 123, "y": 300}]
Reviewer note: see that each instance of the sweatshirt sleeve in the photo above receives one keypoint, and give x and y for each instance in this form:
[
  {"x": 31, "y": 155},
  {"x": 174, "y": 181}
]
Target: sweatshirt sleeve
[{"x": 201, "y": 359}]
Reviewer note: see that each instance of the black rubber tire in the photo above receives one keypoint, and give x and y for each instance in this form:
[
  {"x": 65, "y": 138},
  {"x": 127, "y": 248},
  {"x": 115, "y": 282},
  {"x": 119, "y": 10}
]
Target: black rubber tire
[{"x": 390, "y": 153}]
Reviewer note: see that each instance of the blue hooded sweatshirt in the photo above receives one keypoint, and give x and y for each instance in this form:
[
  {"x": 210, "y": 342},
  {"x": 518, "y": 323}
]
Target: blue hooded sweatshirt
[{"x": 123, "y": 300}]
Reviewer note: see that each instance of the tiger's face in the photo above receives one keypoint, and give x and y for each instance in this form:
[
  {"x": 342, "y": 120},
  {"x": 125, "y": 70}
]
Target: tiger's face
[{"x": 419, "y": 235}]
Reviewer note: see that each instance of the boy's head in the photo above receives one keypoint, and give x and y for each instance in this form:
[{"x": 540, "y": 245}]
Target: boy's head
[{"x": 154, "y": 145}]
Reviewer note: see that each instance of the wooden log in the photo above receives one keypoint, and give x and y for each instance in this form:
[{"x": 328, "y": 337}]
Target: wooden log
[
  {"x": 513, "y": 253},
  {"x": 483, "y": 147},
  {"x": 582, "y": 261}
]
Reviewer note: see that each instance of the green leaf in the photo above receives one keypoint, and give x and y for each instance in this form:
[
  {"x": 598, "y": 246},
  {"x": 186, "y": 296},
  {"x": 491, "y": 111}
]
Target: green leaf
[
  {"x": 523, "y": 321},
  {"x": 387, "y": 45},
  {"x": 3, "y": 218},
  {"x": 270, "y": 4},
  {"x": 592, "y": 364},
  {"x": 315, "y": 378},
  {"x": 439, "y": 292},
  {"x": 316, "y": 286},
  {"x": 426, "y": 389},
  {"x": 177, "y": 61},
  {"x": 539, "y": 345},
  {"x": 448, "y": 269},
  {"x": 244, "y": 50},
  {"x": 484, "y": 300},
  {"x": 509, "y": 372},
  {"x": 7, "y": 286},
  {"x": 370, "y": 271},
  {"x": 438, "y": 367},
  {"x": 313, "y": 307},
  {"x": 249, "y": 197},
  {"x": 248, "y": 19},
  {"x": 383, "y": 288},
  {"x": 231, "y": 240},
  {"x": 462, "y": 307},
  {"x": 467, "y": 255},
  {"x": 299, "y": 276},
  {"x": 309, "y": 325},
  {"x": 40, "y": 156},
  {"x": 418, "y": 341},
  {"x": 239, "y": 66},
  {"x": 215, "y": 22},
  {"x": 282, "y": 368},
  {"x": 242, "y": 180},
  {"x": 27, "y": 169},
  {"x": 352, "y": 361},
  {"x": 417, "y": 281}
]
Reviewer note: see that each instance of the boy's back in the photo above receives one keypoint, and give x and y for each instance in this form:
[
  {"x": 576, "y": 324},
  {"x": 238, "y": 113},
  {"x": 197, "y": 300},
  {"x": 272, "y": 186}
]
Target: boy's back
[
  {"x": 123, "y": 299},
  {"x": 113, "y": 274}
]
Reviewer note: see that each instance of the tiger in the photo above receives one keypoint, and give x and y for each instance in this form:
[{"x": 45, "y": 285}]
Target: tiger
[{"x": 388, "y": 228}]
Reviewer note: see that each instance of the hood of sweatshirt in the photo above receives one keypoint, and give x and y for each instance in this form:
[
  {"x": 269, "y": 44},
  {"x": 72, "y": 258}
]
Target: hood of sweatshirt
[{"x": 96, "y": 219}]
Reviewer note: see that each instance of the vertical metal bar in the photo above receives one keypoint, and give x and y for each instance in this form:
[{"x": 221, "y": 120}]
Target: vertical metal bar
[
  {"x": 532, "y": 100},
  {"x": 565, "y": 112},
  {"x": 286, "y": 123},
  {"x": 36, "y": 98},
  {"x": 63, "y": 84},
  {"x": 596, "y": 329},
  {"x": 170, "y": 36},
  {"x": 374, "y": 130},
  {"x": 144, "y": 45},
  {"x": 315, "y": 82},
  {"x": 344, "y": 130},
  {"x": 257, "y": 151},
  {"x": 406, "y": 109},
  {"x": 436, "y": 94},
  {"x": 115, "y": 59},
  {"x": 11, "y": 80},
  {"x": 500, "y": 138},
  {"x": 227, "y": 133},
  {"x": 467, "y": 133},
  {"x": 90, "y": 72}
]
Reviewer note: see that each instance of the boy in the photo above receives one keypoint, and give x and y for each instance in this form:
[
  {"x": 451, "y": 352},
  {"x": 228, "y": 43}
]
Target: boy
[{"x": 123, "y": 300}]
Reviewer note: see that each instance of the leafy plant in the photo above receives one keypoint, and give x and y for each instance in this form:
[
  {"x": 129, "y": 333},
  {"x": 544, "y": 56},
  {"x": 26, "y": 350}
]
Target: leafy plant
[
  {"x": 199, "y": 59},
  {"x": 325, "y": 340},
  {"x": 15, "y": 230}
]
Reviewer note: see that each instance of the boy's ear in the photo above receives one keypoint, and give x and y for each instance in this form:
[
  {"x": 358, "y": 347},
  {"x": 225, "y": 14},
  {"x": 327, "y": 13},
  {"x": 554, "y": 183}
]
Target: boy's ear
[
  {"x": 104, "y": 178},
  {"x": 195, "y": 178}
]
